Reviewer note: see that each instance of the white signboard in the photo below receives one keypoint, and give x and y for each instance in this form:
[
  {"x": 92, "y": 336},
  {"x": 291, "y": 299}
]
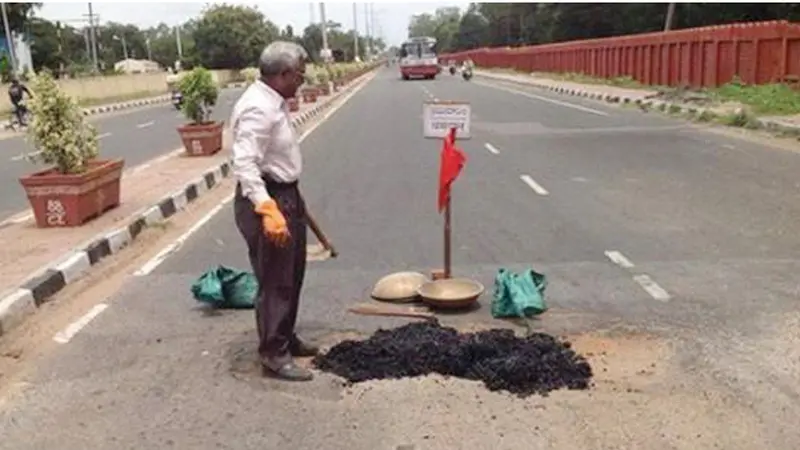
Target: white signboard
[{"x": 439, "y": 117}]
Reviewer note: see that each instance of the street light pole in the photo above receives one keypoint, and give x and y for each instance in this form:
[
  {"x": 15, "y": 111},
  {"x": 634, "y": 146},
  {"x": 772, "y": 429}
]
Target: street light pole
[
  {"x": 355, "y": 33},
  {"x": 178, "y": 41},
  {"x": 124, "y": 47},
  {"x": 324, "y": 28},
  {"x": 368, "y": 47},
  {"x": 670, "y": 17},
  {"x": 93, "y": 38},
  {"x": 9, "y": 39}
]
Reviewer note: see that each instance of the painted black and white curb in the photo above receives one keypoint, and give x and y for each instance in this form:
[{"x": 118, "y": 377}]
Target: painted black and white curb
[
  {"x": 126, "y": 105},
  {"x": 23, "y": 301},
  {"x": 642, "y": 101}
]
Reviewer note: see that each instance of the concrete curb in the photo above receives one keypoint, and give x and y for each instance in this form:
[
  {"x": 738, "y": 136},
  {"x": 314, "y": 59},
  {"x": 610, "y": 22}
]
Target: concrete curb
[
  {"x": 126, "y": 105},
  {"x": 691, "y": 111},
  {"x": 19, "y": 303}
]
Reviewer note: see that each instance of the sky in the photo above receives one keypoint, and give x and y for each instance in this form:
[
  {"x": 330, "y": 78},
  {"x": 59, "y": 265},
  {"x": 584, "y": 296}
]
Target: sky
[{"x": 391, "y": 19}]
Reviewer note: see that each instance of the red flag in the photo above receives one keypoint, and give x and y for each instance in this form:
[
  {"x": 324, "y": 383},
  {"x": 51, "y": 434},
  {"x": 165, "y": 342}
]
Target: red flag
[{"x": 452, "y": 162}]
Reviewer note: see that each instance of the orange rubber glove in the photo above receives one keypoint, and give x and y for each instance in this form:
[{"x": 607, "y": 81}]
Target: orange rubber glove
[{"x": 273, "y": 222}]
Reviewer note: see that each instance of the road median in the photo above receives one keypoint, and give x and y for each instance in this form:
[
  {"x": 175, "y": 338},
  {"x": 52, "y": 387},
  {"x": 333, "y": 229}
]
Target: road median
[{"x": 41, "y": 262}]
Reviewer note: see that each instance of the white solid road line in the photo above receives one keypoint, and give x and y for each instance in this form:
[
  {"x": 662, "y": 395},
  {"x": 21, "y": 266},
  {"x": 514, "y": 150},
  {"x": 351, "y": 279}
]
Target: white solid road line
[
  {"x": 533, "y": 184},
  {"x": 65, "y": 335},
  {"x": 619, "y": 259},
  {"x": 546, "y": 99},
  {"x": 492, "y": 149},
  {"x": 154, "y": 262},
  {"x": 104, "y": 135},
  {"x": 145, "y": 125},
  {"x": 652, "y": 288}
]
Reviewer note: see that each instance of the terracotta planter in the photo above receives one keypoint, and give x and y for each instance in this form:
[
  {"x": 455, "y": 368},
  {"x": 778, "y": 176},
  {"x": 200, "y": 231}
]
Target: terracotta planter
[
  {"x": 294, "y": 105},
  {"x": 309, "y": 95},
  {"x": 202, "y": 140},
  {"x": 324, "y": 89},
  {"x": 61, "y": 200}
]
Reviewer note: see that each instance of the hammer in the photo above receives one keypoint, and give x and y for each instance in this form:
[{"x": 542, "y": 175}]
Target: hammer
[{"x": 312, "y": 223}]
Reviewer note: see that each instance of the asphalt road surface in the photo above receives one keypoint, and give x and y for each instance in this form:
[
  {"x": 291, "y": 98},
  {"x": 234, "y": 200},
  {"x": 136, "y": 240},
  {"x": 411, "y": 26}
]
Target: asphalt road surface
[
  {"x": 137, "y": 135},
  {"x": 681, "y": 241}
]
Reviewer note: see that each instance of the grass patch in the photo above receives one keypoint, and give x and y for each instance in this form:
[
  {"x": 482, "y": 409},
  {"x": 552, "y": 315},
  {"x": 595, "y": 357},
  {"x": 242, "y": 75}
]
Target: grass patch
[
  {"x": 706, "y": 116},
  {"x": 741, "y": 119},
  {"x": 766, "y": 99},
  {"x": 121, "y": 98},
  {"x": 775, "y": 99}
]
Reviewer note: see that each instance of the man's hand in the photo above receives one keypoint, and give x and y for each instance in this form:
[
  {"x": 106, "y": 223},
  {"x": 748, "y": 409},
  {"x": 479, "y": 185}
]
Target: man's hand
[{"x": 273, "y": 222}]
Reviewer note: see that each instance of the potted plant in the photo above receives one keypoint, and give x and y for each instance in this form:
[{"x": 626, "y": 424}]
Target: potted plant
[
  {"x": 202, "y": 136},
  {"x": 323, "y": 81},
  {"x": 308, "y": 91},
  {"x": 336, "y": 76},
  {"x": 77, "y": 187},
  {"x": 250, "y": 75}
]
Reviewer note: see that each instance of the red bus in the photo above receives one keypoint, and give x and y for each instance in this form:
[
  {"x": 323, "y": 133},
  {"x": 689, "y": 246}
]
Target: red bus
[{"x": 418, "y": 58}]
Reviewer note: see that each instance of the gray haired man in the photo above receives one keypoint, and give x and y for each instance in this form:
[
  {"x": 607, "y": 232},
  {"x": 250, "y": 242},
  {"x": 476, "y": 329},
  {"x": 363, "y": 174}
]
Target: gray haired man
[{"x": 269, "y": 211}]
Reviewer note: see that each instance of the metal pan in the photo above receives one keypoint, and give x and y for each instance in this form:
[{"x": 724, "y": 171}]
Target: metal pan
[{"x": 450, "y": 293}]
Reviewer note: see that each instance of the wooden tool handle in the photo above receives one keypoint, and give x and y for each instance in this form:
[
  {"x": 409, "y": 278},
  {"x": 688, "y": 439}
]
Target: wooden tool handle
[
  {"x": 367, "y": 309},
  {"x": 312, "y": 223}
]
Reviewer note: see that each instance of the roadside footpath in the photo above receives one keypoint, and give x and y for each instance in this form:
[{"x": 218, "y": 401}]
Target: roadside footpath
[
  {"x": 680, "y": 103},
  {"x": 41, "y": 262}
]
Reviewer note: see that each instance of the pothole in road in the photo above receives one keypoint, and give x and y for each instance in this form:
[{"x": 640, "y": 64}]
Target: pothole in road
[{"x": 622, "y": 361}]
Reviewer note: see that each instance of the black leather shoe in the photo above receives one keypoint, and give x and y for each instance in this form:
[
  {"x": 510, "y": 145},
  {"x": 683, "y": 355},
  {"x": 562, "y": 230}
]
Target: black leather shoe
[
  {"x": 289, "y": 372},
  {"x": 301, "y": 349}
]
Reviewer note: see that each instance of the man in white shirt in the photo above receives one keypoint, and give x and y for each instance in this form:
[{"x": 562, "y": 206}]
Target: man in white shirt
[{"x": 269, "y": 210}]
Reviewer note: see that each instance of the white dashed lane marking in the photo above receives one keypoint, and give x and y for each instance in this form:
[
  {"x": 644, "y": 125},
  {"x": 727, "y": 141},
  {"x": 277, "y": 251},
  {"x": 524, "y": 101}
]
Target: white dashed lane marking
[{"x": 533, "y": 185}]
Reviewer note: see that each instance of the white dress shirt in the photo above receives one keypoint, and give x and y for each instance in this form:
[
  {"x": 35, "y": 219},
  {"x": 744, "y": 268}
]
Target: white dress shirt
[{"x": 264, "y": 141}]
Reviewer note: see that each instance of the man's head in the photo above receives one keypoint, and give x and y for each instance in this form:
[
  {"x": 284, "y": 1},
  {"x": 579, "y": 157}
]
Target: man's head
[
  {"x": 283, "y": 67},
  {"x": 14, "y": 80}
]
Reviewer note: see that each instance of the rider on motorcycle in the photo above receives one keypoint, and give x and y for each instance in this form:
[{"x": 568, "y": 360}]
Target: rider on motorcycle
[{"x": 15, "y": 94}]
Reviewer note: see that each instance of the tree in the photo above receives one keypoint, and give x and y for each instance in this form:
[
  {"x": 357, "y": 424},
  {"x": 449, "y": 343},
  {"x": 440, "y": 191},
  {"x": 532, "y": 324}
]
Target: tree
[
  {"x": 18, "y": 14},
  {"x": 422, "y": 25},
  {"x": 472, "y": 30},
  {"x": 232, "y": 36},
  {"x": 46, "y": 48}
]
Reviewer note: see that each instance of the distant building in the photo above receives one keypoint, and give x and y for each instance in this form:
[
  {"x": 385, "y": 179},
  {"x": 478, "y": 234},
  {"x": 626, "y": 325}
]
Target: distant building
[{"x": 137, "y": 66}]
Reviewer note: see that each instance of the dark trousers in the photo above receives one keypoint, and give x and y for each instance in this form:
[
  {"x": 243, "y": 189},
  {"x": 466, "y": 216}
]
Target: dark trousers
[{"x": 279, "y": 270}]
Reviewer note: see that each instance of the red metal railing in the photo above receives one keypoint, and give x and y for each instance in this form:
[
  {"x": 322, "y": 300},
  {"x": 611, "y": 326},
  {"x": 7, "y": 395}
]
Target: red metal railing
[{"x": 758, "y": 52}]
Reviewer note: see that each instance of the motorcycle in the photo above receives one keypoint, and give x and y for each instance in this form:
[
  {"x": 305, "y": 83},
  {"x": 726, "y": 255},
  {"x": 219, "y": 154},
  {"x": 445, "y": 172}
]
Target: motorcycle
[
  {"x": 177, "y": 99},
  {"x": 466, "y": 74}
]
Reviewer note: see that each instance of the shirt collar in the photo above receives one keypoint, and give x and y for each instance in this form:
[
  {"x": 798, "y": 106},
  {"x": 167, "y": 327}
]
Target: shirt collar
[{"x": 271, "y": 93}]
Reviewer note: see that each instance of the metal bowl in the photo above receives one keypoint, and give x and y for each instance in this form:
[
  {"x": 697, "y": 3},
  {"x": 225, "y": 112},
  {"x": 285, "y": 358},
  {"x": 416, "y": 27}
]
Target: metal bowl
[
  {"x": 400, "y": 287},
  {"x": 450, "y": 293}
]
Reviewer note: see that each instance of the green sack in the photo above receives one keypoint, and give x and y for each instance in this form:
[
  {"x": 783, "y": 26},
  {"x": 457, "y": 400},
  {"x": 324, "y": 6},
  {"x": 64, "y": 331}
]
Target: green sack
[
  {"x": 225, "y": 288},
  {"x": 518, "y": 295}
]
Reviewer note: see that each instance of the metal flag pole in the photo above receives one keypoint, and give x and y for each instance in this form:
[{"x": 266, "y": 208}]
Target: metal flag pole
[
  {"x": 447, "y": 259},
  {"x": 448, "y": 227}
]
